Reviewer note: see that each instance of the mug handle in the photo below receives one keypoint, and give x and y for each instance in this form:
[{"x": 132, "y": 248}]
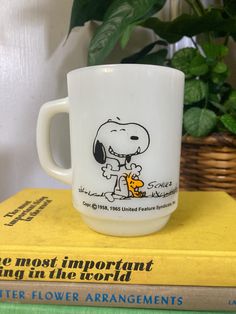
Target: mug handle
[{"x": 46, "y": 113}]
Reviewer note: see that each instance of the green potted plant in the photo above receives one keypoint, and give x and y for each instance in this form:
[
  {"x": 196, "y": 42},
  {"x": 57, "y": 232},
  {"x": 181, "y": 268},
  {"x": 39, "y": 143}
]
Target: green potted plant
[{"x": 209, "y": 121}]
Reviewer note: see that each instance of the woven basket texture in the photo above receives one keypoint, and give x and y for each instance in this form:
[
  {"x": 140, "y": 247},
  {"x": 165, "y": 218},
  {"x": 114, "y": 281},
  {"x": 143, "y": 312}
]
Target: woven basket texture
[{"x": 209, "y": 163}]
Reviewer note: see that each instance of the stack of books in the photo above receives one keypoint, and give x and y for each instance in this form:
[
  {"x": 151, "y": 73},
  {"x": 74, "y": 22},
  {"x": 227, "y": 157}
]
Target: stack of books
[{"x": 49, "y": 256}]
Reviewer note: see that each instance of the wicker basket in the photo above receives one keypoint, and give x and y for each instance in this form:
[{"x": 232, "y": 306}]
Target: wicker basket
[{"x": 209, "y": 163}]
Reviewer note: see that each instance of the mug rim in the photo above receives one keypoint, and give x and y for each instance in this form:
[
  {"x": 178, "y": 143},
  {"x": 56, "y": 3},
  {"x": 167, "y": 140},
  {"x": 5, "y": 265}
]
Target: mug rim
[{"x": 127, "y": 65}]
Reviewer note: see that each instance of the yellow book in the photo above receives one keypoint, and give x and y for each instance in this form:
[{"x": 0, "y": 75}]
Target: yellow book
[{"x": 43, "y": 238}]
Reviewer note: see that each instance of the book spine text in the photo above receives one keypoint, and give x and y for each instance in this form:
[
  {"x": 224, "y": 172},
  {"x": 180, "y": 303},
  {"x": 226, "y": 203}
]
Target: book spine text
[{"x": 138, "y": 296}]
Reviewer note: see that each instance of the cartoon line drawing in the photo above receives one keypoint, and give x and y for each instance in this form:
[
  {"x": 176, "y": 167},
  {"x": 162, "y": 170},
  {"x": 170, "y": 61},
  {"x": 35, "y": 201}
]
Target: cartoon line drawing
[
  {"x": 133, "y": 185},
  {"x": 114, "y": 146}
]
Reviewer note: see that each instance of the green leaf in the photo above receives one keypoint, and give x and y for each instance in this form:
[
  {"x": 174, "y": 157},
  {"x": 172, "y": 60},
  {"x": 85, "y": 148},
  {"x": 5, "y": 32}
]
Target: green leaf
[
  {"x": 230, "y": 103},
  {"x": 87, "y": 10},
  {"x": 230, "y": 7},
  {"x": 118, "y": 17},
  {"x": 219, "y": 78},
  {"x": 232, "y": 95},
  {"x": 182, "y": 60},
  {"x": 218, "y": 106},
  {"x": 214, "y": 51},
  {"x": 220, "y": 68},
  {"x": 134, "y": 58},
  {"x": 198, "y": 66},
  {"x": 126, "y": 35},
  {"x": 199, "y": 122},
  {"x": 229, "y": 122},
  {"x": 156, "y": 58},
  {"x": 195, "y": 90},
  {"x": 225, "y": 89},
  {"x": 192, "y": 25},
  {"x": 213, "y": 97}
]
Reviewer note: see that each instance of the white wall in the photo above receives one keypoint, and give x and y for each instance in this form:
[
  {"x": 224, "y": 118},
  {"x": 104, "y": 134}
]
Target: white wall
[{"x": 33, "y": 65}]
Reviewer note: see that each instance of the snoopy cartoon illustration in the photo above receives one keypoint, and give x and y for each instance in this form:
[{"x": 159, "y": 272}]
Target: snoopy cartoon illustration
[{"x": 114, "y": 146}]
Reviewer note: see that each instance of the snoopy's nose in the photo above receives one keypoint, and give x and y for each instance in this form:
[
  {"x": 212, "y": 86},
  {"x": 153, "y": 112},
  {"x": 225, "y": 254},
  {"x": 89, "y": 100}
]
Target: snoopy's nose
[{"x": 135, "y": 138}]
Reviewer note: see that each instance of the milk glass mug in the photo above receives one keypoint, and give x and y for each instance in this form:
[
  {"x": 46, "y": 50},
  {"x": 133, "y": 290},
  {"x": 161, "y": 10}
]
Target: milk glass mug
[{"x": 125, "y": 132}]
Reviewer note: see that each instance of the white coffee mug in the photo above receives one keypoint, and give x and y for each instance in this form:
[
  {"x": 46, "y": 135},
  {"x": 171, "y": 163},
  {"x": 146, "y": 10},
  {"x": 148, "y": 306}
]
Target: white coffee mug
[{"x": 125, "y": 132}]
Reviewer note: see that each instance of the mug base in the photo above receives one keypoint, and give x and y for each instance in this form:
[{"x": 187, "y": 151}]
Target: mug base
[{"x": 125, "y": 228}]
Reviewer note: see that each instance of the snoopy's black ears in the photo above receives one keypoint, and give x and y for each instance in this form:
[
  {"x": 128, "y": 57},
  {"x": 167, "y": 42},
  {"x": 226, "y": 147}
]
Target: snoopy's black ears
[{"x": 99, "y": 152}]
